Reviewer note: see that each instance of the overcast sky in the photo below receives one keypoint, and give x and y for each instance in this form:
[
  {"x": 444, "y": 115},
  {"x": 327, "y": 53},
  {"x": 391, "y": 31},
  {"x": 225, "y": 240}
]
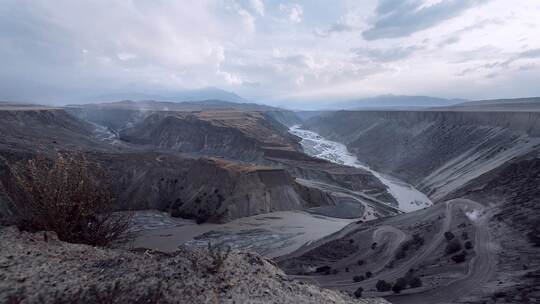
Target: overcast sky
[{"x": 268, "y": 50}]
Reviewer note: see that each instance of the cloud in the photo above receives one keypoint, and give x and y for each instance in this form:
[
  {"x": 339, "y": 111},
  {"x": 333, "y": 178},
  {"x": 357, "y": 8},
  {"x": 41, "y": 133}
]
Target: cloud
[
  {"x": 401, "y": 18},
  {"x": 230, "y": 78},
  {"x": 123, "y": 56},
  {"x": 455, "y": 37},
  {"x": 448, "y": 41},
  {"x": 265, "y": 50},
  {"x": 248, "y": 20},
  {"x": 348, "y": 23},
  {"x": 505, "y": 64},
  {"x": 386, "y": 55},
  {"x": 258, "y": 6},
  {"x": 293, "y": 11}
]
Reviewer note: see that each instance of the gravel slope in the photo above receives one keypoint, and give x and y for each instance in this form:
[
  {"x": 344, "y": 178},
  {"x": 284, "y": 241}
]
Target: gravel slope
[{"x": 37, "y": 268}]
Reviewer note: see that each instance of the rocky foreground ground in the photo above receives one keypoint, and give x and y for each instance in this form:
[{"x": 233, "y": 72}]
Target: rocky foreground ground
[{"x": 38, "y": 268}]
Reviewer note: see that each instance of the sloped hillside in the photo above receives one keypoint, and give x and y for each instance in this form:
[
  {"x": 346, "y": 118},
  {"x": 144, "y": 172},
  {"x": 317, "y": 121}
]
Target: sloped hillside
[
  {"x": 217, "y": 190},
  {"x": 33, "y": 129},
  {"x": 437, "y": 151},
  {"x": 38, "y": 268},
  {"x": 238, "y": 135}
]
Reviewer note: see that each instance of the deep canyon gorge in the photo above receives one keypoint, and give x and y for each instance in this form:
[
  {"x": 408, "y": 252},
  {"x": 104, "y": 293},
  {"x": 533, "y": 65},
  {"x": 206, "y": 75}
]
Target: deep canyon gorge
[{"x": 342, "y": 199}]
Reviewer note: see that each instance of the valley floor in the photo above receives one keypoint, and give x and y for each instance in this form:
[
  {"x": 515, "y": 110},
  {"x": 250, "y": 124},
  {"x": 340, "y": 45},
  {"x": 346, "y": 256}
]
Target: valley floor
[
  {"x": 272, "y": 234},
  {"x": 443, "y": 280},
  {"x": 280, "y": 233}
]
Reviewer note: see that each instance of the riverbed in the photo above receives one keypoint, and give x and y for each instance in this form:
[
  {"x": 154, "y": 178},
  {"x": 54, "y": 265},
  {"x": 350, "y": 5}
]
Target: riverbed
[
  {"x": 408, "y": 198},
  {"x": 272, "y": 234}
]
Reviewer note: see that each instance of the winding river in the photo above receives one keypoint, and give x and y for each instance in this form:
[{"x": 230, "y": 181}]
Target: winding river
[
  {"x": 408, "y": 197},
  {"x": 273, "y": 234}
]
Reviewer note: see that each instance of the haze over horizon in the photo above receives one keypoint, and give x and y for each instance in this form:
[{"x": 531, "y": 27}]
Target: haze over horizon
[{"x": 272, "y": 52}]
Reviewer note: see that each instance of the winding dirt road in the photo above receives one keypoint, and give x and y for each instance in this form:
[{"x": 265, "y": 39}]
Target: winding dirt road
[
  {"x": 479, "y": 270},
  {"x": 481, "y": 267}
]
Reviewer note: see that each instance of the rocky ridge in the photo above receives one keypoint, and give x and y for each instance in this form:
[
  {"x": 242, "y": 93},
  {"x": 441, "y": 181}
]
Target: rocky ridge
[
  {"x": 439, "y": 152},
  {"x": 172, "y": 160},
  {"x": 39, "y": 268}
]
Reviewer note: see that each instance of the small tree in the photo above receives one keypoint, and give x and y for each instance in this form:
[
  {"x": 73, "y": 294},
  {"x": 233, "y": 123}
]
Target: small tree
[
  {"x": 459, "y": 258},
  {"x": 382, "y": 286},
  {"x": 453, "y": 246},
  {"x": 358, "y": 278},
  {"x": 69, "y": 196},
  {"x": 358, "y": 292},
  {"x": 399, "y": 285},
  {"x": 449, "y": 235},
  {"x": 415, "y": 282},
  {"x": 418, "y": 240}
]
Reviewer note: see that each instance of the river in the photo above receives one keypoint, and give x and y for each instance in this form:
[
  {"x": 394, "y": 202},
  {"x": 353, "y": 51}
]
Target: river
[
  {"x": 408, "y": 197},
  {"x": 273, "y": 234}
]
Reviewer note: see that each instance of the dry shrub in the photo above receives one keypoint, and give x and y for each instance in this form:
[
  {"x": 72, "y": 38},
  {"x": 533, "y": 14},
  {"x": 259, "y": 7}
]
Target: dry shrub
[
  {"x": 218, "y": 255},
  {"x": 69, "y": 196}
]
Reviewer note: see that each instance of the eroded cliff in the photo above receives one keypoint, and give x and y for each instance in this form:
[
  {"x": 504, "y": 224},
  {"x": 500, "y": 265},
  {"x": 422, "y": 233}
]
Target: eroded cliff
[{"x": 437, "y": 151}]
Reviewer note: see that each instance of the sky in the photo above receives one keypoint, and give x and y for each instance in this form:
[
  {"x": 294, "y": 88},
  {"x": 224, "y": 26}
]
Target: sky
[{"x": 268, "y": 50}]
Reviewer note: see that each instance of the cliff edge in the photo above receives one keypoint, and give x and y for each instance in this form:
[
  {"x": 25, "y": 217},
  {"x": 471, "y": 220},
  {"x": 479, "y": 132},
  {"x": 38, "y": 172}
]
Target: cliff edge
[{"x": 38, "y": 268}]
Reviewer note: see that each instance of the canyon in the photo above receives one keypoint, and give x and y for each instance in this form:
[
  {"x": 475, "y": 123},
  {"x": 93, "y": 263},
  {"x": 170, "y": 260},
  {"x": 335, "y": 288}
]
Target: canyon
[{"x": 329, "y": 196}]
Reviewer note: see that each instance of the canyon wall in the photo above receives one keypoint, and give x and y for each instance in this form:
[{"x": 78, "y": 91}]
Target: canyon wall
[
  {"x": 439, "y": 152},
  {"x": 211, "y": 166}
]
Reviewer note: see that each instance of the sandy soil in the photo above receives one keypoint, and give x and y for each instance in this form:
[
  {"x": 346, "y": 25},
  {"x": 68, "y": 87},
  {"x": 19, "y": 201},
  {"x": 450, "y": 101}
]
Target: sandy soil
[{"x": 273, "y": 234}]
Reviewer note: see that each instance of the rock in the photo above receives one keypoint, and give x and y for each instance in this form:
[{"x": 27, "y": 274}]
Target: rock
[{"x": 123, "y": 276}]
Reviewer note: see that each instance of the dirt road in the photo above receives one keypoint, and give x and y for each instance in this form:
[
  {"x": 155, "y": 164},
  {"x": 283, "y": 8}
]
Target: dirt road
[{"x": 479, "y": 270}]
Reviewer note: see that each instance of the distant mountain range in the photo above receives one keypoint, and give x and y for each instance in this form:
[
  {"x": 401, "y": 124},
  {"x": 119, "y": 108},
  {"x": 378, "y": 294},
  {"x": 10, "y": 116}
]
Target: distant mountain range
[
  {"x": 531, "y": 104},
  {"x": 209, "y": 93},
  {"x": 396, "y": 102},
  {"x": 382, "y": 102},
  {"x": 153, "y": 105}
]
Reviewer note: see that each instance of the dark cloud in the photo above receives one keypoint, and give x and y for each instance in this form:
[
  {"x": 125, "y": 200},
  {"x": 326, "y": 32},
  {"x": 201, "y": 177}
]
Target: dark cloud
[
  {"x": 505, "y": 64},
  {"x": 448, "y": 41},
  {"x": 528, "y": 67},
  {"x": 337, "y": 27},
  {"x": 400, "y": 18},
  {"x": 456, "y": 36},
  {"x": 534, "y": 53},
  {"x": 386, "y": 55}
]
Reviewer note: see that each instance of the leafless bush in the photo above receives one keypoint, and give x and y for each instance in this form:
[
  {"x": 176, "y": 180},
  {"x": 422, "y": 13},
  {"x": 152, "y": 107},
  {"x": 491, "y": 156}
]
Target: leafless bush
[
  {"x": 218, "y": 254},
  {"x": 69, "y": 196}
]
